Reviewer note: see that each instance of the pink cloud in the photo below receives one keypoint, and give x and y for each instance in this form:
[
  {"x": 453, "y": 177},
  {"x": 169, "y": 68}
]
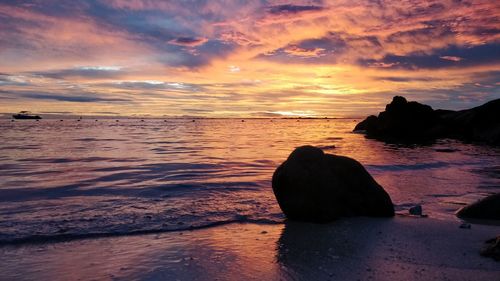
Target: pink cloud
[{"x": 451, "y": 58}]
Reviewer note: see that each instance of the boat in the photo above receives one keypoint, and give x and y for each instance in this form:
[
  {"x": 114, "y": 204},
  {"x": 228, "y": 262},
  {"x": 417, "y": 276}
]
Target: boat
[{"x": 26, "y": 115}]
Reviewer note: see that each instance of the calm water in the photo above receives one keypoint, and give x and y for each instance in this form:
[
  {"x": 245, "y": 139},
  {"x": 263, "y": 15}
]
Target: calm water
[{"x": 78, "y": 179}]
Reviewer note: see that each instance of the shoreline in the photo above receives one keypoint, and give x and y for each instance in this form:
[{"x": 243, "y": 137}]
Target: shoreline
[{"x": 400, "y": 248}]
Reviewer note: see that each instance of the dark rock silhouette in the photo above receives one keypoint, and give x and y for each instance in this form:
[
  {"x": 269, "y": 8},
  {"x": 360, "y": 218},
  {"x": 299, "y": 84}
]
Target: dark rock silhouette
[
  {"x": 480, "y": 123},
  {"x": 416, "y": 210},
  {"x": 404, "y": 121},
  {"x": 317, "y": 187},
  {"x": 369, "y": 124},
  {"x": 492, "y": 249},
  {"x": 486, "y": 208}
]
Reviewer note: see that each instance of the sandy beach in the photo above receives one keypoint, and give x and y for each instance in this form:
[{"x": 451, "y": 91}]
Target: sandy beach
[{"x": 402, "y": 248}]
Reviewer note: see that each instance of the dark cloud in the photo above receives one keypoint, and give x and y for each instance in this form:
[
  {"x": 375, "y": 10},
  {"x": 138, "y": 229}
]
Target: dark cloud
[
  {"x": 83, "y": 72},
  {"x": 420, "y": 36},
  {"x": 332, "y": 41},
  {"x": 155, "y": 85},
  {"x": 288, "y": 9},
  {"x": 197, "y": 110},
  {"x": 12, "y": 80},
  {"x": 323, "y": 49},
  {"x": 70, "y": 97},
  {"x": 73, "y": 98},
  {"x": 330, "y": 48},
  {"x": 486, "y": 54},
  {"x": 188, "y": 41},
  {"x": 180, "y": 56}
]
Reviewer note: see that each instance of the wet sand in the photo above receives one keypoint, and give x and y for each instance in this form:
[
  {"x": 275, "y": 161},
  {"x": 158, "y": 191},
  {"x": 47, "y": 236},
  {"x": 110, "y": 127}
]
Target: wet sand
[{"x": 402, "y": 248}]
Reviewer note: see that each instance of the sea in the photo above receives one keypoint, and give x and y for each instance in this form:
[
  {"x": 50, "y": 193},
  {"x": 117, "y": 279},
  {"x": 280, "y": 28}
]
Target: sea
[{"x": 74, "y": 179}]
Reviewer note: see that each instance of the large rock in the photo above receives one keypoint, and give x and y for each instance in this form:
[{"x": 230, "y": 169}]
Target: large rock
[
  {"x": 404, "y": 121},
  {"x": 317, "y": 187},
  {"x": 487, "y": 208}
]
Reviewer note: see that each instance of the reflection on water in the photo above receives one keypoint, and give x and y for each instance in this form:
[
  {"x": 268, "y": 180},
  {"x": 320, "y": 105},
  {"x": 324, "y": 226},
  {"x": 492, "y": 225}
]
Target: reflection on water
[{"x": 64, "y": 179}]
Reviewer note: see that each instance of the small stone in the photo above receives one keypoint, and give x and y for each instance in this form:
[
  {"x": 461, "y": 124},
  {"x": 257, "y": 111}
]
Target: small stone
[
  {"x": 416, "y": 210},
  {"x": 263, "y": 232},
  {"x": 465, "y": 226},
  {"x": 492, "y": 249}
]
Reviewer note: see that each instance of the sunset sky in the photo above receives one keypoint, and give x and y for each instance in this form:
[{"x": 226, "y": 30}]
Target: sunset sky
[{"x": 245, "y": 58}]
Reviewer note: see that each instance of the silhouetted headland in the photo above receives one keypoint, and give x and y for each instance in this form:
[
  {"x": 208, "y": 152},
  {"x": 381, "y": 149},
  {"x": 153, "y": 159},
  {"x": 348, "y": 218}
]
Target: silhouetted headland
[{"x": 404, "y": 121}]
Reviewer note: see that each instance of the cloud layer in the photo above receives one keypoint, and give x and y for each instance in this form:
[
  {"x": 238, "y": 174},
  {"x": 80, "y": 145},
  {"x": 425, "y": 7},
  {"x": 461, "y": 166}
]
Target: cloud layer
[{"x": 245, "y": 58}]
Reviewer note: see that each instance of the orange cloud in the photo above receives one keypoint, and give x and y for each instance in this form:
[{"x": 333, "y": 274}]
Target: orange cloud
[{"x": 231, "y": 58}]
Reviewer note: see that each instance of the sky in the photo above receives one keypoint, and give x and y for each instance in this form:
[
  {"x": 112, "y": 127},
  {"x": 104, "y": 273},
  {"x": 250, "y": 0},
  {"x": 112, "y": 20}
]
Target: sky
[{"x": 245, "y": 58}]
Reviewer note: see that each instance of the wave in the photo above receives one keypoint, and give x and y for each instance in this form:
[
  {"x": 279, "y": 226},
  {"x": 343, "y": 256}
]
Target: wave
[{"x": 65, "y": 237}]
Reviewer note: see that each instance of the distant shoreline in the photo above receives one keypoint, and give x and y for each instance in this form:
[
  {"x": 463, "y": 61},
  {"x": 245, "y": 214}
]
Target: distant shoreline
[{"x": 49, "y": 117}]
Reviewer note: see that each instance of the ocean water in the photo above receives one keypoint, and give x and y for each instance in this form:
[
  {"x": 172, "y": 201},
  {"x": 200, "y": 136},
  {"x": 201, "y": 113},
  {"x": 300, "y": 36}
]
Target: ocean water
[{"x": 75, "y": 179}]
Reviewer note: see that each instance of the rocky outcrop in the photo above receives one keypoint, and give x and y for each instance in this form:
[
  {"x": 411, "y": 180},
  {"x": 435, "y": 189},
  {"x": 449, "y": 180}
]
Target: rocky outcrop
[
  {"x": 317, "y": 187},
  {"x": 481, "y": 123},
  {"x": 487, "y": 208},
  {"x": 415, "y": 122}
]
